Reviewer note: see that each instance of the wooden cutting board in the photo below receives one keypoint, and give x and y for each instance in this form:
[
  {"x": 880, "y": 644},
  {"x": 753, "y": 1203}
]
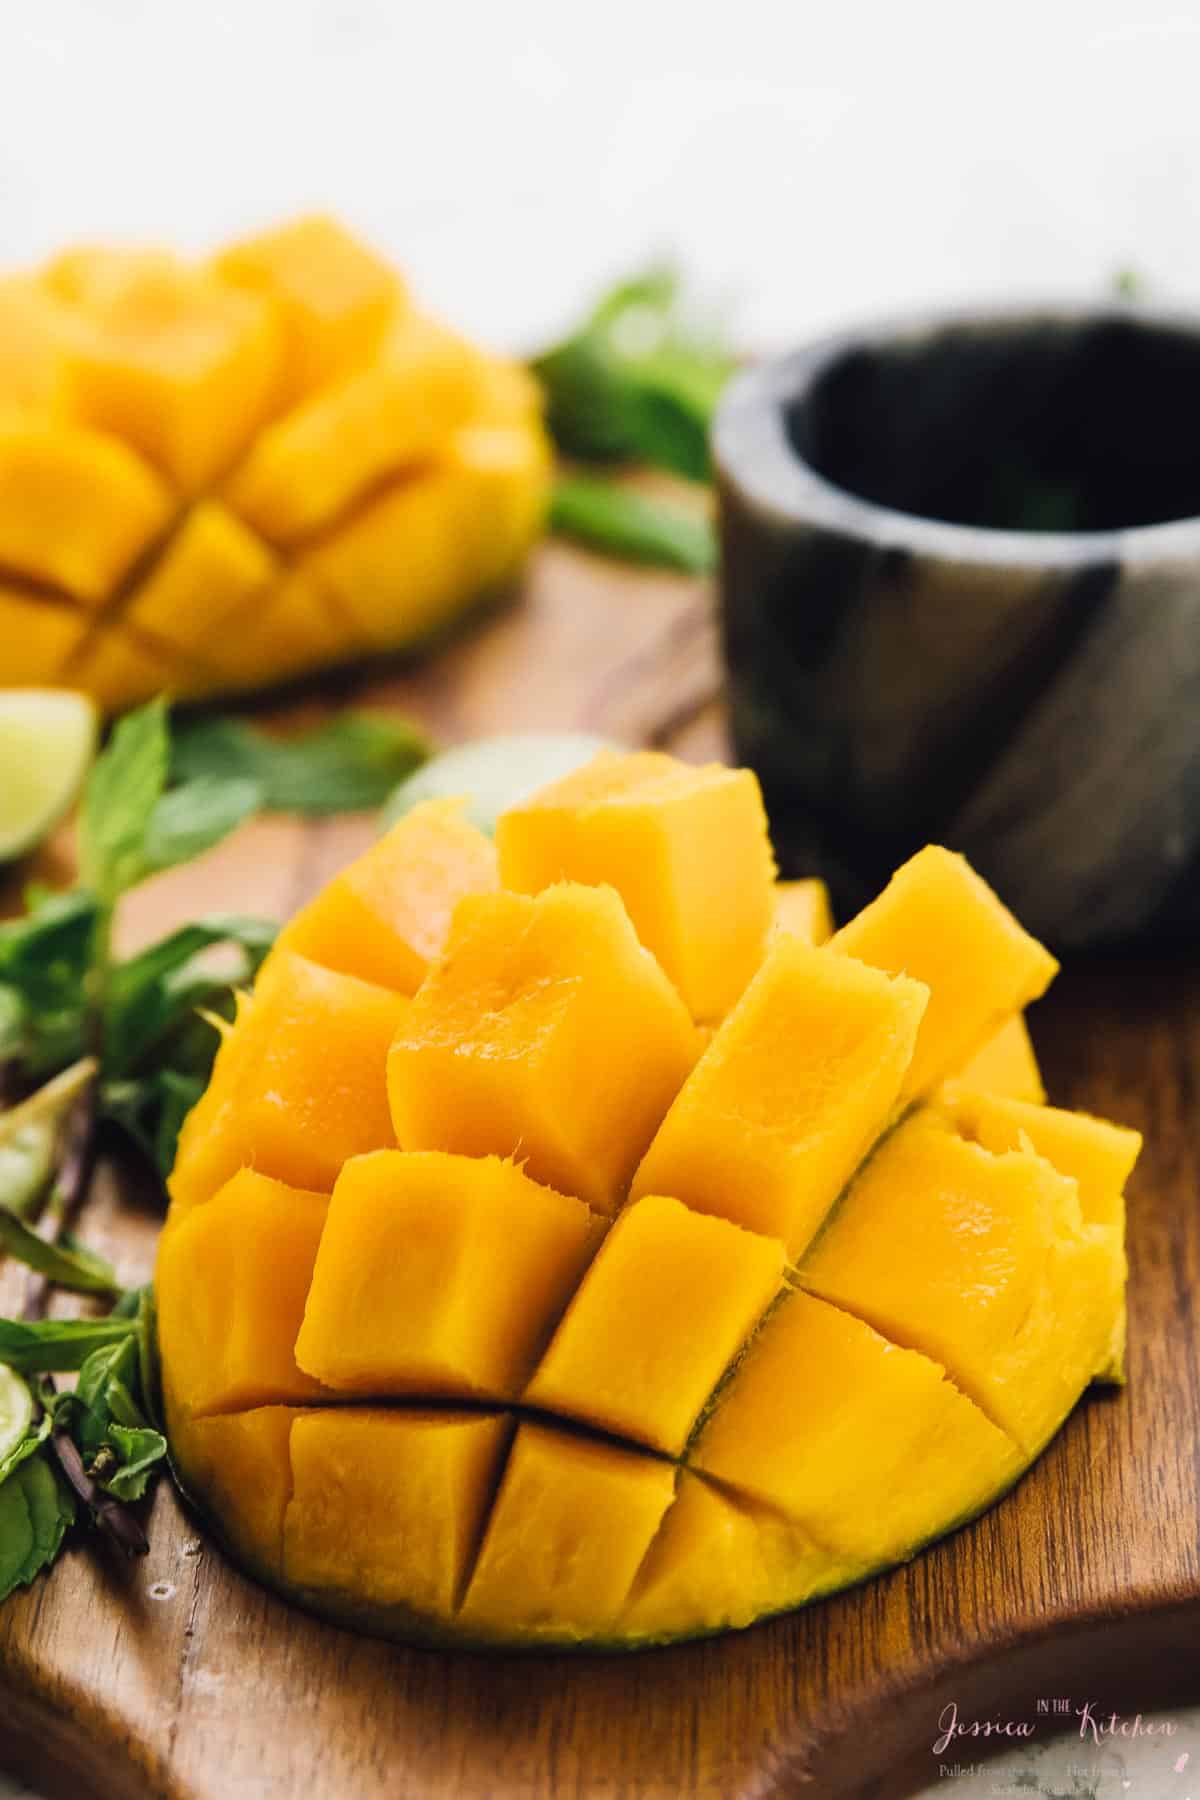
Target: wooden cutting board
[{"x": 179, "y": 1677}]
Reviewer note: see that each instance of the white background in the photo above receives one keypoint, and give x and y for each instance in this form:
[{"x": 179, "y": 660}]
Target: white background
[{"x": 808, "y": 162}]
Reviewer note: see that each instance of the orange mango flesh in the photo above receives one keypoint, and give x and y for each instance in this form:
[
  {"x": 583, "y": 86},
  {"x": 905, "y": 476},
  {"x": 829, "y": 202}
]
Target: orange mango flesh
[
  {"x": 166, "y": 357},
  {"x": 995, "y": 1274},
  {"x": 517, "y": 1043},
  {"x": 1097, "y": 1155},
  {"x": 335, "y": 298},
  {"x": 867, "y": 1418},
  {"x": 387, "y": 916},
  {"x": 439, "y": 1275},
  {"x": 1006, "y": 1064},
  {"x": 790, "y": 1094},
  {"x": 802, "y": 908},
  {"x": 301, "y": 1086},
  {"x": 939, "y": 923},
  {"x": 633, "y": 822},
  {"x": 569, "y": 1528},
  {"x": 38, "y": 638},
  {"x": 387, "y": 1507},
  {"x": 249, "y": 468},
  {"x": 232, "y": 1280},
  {"x": 51, "y": 472},
  {"x": 392, "y": 414},
  {"x": 240, "y": 1465},
  {"x": 719, "y": 1558},
  {"x": 630, "y": 1431},
  {"x": 207, "y": 573},
  {"x": 667, "y": 1303}
]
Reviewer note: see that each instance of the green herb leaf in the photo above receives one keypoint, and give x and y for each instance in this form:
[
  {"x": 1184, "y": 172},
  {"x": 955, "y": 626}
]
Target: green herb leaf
[
  {"x": 124, "y": 788},
  {"x": 44, "y": 962},
  {"x": 639, "y": 380},
  {"x": 621, "y": 523},
  {"x": 67, "y": 1265},
  {"x": 151, "y": 994},
  {"x": 59, "y": 1346},
  {"x": 141, "y": 1451},
  {"x": 192, "y": 818},
  {"x": 350, "y": 764},
  {"x": 36, "y": 1509}
]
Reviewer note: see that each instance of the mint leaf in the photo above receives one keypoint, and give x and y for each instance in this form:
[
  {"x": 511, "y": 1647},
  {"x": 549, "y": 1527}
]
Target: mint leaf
[
  {"x": 59, "y": 1346},
  {"x": 141, "y": 1451},
  {"x": 639, "y": 379},
  {"x": 350, "y": 764},
  {"x": 153, "y": 993},
  {"x": 621, "y": 523},
  {"x": 35, "y": 1511},
  {"x": 191, "y": 819},
  {"x": 125, "y": 786},
  {"x": 67, "y": 1265}
]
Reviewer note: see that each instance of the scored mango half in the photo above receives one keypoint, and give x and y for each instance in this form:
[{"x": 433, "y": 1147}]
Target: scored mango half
[
  {"x": 580, "y": 1242},
  {"x": 223, "y": 475}
]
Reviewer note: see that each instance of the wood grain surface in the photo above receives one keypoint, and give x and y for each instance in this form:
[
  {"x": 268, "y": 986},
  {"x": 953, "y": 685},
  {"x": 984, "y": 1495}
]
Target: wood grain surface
[{"x": 178, "y": 1677}]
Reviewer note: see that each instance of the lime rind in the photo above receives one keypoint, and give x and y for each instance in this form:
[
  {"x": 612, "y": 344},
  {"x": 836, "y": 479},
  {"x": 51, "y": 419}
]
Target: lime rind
[
  {"x": 47, "y": 740},
  {"x": 16, "y": 1411}
]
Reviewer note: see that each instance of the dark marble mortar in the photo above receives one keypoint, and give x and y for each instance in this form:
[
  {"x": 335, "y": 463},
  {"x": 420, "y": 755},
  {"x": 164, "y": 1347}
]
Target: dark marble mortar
[{"x": 961, "y": 603}]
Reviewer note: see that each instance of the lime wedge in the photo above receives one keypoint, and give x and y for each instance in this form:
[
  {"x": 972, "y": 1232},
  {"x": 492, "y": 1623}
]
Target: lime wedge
[
  {"x": 47, "y": 737},
  {"x": 494, "y": 773},
  {"x": 16, "y": 1410}
]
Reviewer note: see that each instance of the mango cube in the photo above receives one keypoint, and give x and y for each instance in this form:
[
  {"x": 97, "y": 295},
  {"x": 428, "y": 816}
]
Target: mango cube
[
  {"x": 1097, "y": 1155},
  {"x": 231, "y": 1282},
  {"x": 790, "y": 1094},
  {"x": 439, "y": 1275},
  {"x": 303, "y": 1086},
  {"x": 718, "y": 1558},
  {"x": 570, "y": 1526},
  {"x": 118, "y": 667},
  {"x": 50, "y": 473},
  {"x": 662, "y": 1310},
  {"x": 308, "y": 467},
  {"x": 387, "y": 1506},
  {"x": 241, "y": 1463},
  {"x": 981, "y": 1262},
  {"x": 179, "y": 364},
  {"x": 335, "y": 296},
  {"x": 686, "y": 848},
  {"x": 400, "y": 566},
  {"x": 387, "y": 916},
  {"x": 823, "y": 1417},
  {"x": 209, "y": 571},
  {"x": 36, "y": 639},
  {"x": 37, "y": 333},
  {"x": 1006, "y": 1064},
  {"x": 802, "y": 908},
  {"x": 938, "y": 921},
  {"x": 289, "y": 628},
  {"x": 544, "y": 1032}
]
